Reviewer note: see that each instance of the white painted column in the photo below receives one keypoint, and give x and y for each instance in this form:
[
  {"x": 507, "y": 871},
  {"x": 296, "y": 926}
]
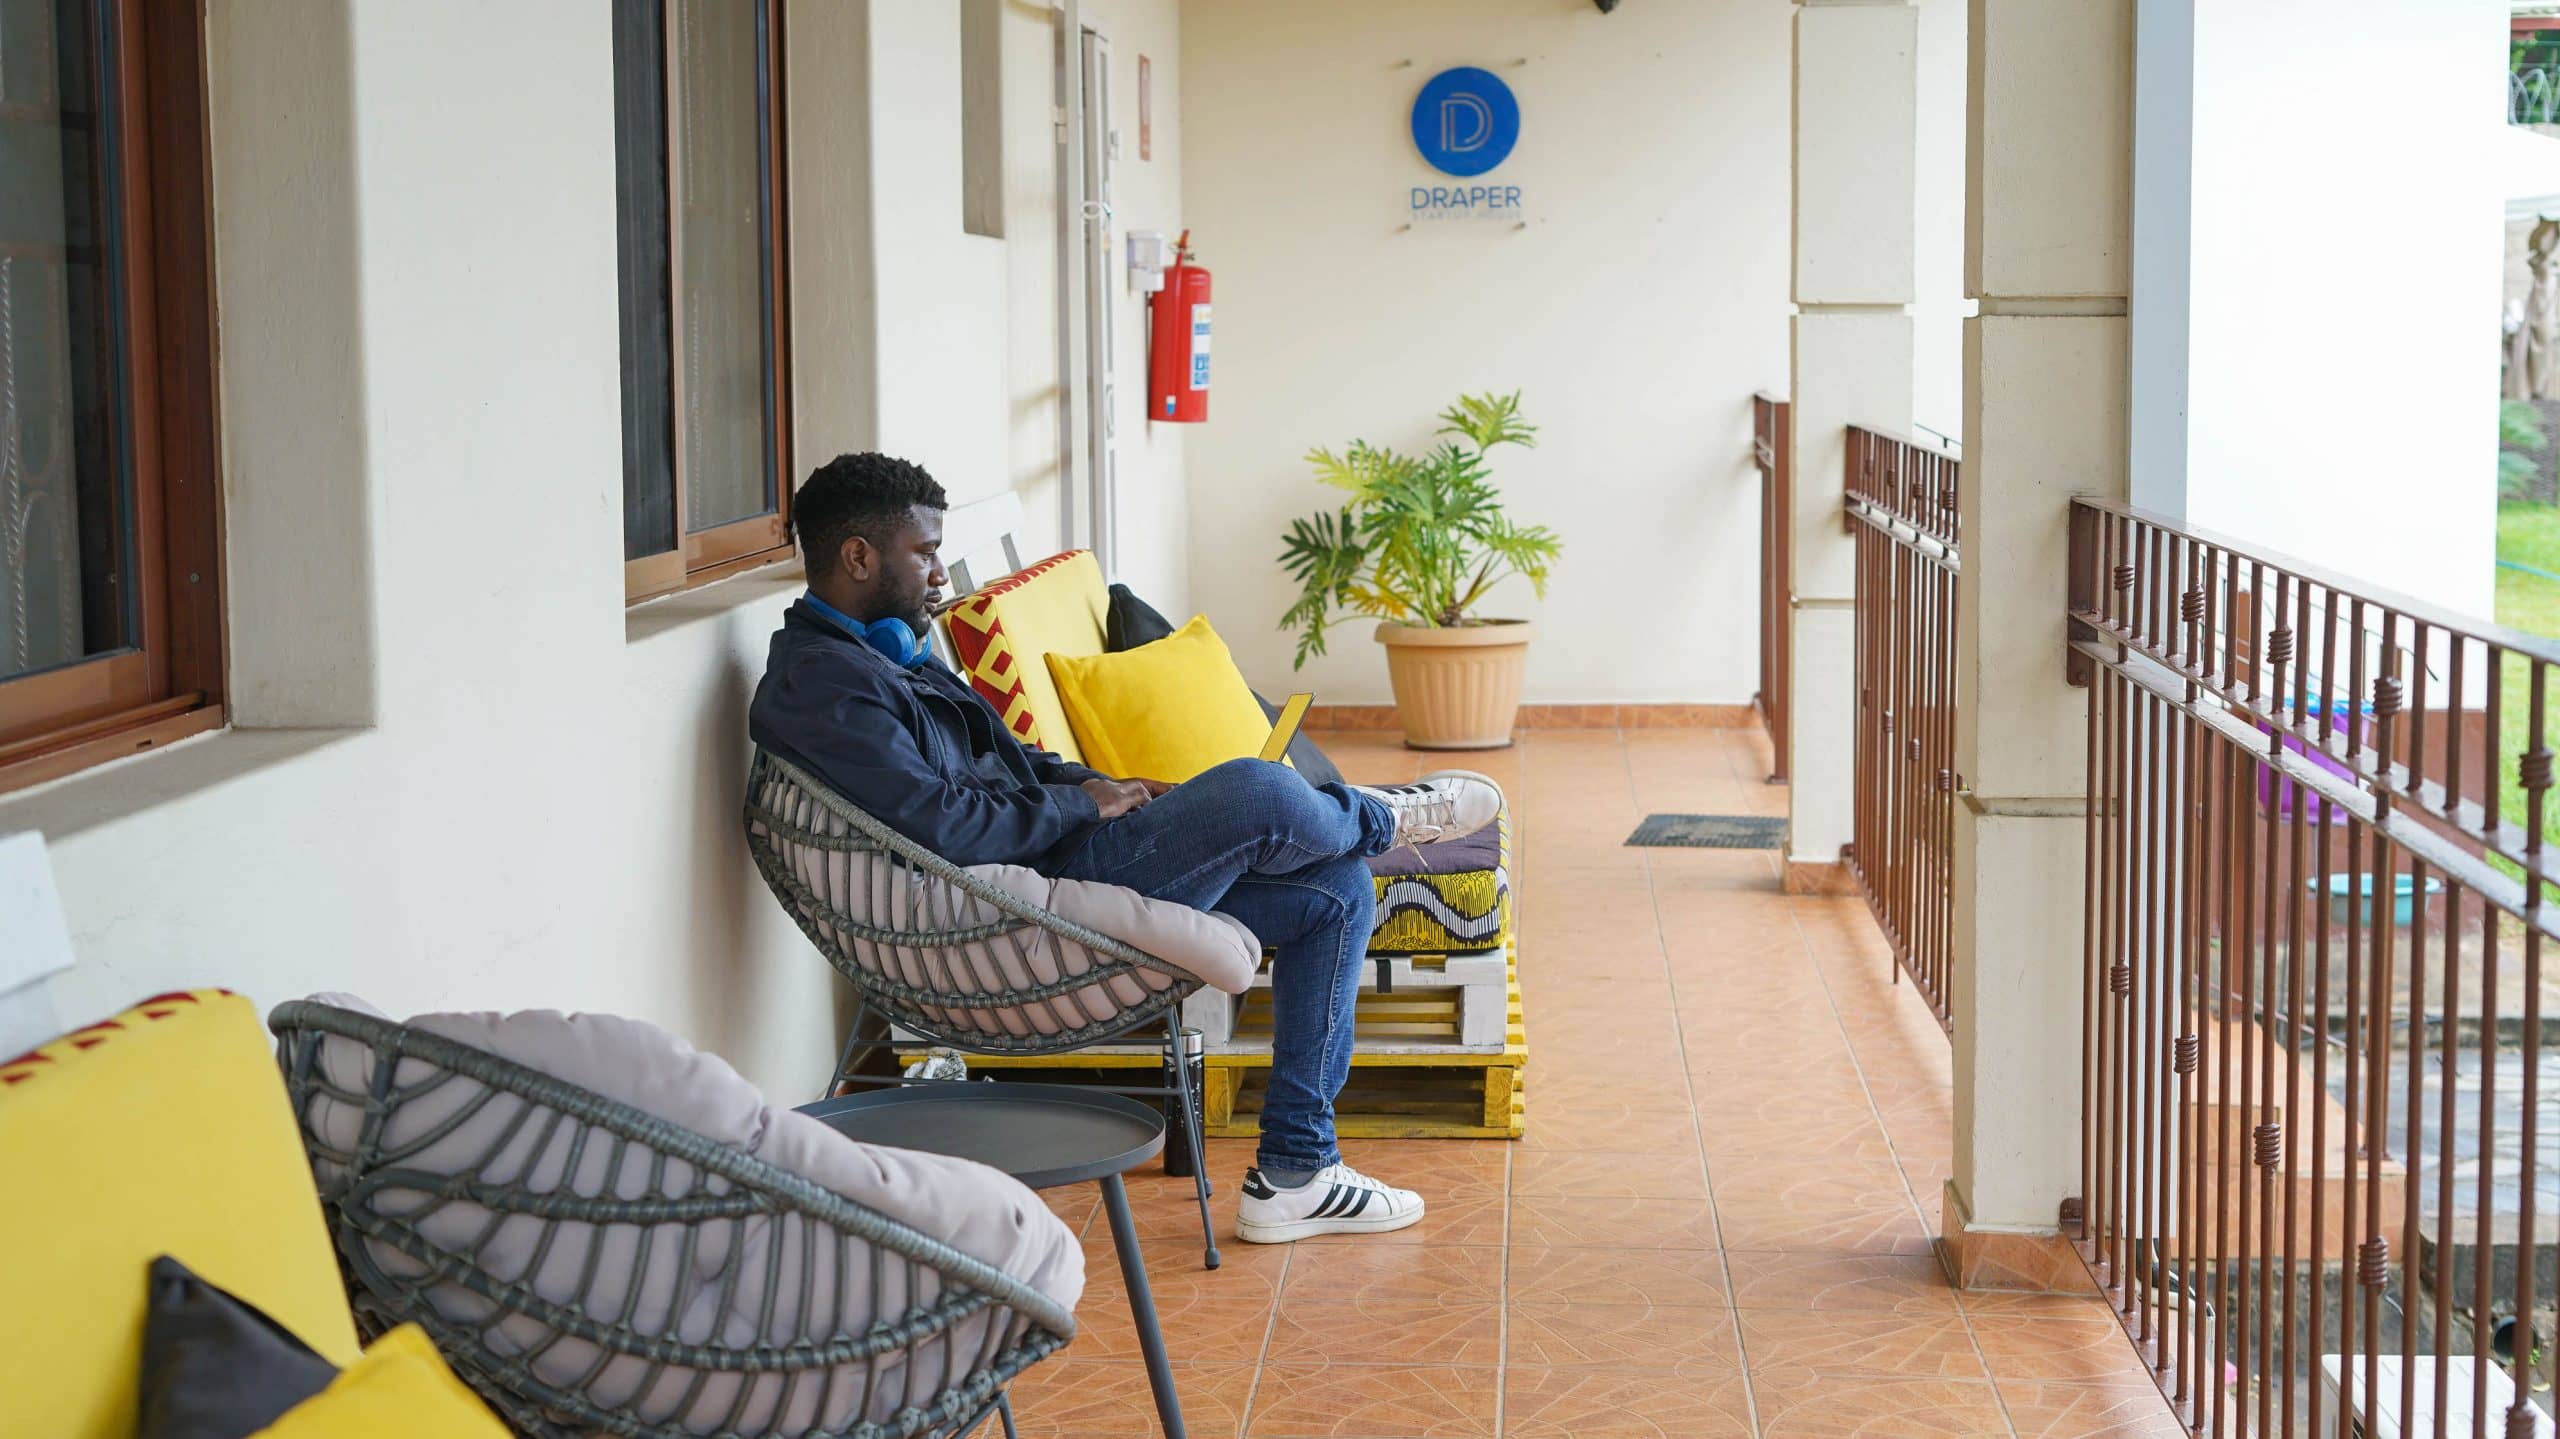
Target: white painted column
[
  {"x": 2047, "y": 206},
  {"x": 1855, "y": 129}
]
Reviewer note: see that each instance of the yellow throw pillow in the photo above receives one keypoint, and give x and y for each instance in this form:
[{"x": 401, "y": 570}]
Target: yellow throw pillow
[
  {"x": 1165, "y": 710},
  {"x": 398, "y": 1389}
]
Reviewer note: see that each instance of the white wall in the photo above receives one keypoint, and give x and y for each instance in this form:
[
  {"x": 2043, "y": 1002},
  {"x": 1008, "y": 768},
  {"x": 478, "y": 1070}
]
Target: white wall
[
  {"x": 535, "y": 799},
  {"x": 1636, "y": 313},
  {"x": 1940, "y": 305},
  {"x": 2343, "y": 365}
]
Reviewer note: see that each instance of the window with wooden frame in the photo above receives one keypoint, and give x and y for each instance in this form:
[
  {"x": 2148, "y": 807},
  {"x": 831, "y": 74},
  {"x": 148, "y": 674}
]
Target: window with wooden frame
[
  {"x": 110, "y": 542},
  {"x": 706, "y": 488}
]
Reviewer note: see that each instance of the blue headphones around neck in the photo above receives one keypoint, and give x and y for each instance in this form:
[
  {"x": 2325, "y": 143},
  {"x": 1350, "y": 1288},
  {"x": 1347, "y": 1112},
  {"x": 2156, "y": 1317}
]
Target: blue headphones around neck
[{"x": 896, "y": 639}]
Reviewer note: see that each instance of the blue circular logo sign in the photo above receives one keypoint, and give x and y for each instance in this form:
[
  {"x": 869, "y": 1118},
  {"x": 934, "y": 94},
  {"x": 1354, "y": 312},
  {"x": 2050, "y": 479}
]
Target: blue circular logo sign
[{"x": 1465, "y": 121}]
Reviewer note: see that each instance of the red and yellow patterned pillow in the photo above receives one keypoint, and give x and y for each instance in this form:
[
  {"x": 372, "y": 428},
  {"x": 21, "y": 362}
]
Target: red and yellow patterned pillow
[{"x": 1005, "y": 632}]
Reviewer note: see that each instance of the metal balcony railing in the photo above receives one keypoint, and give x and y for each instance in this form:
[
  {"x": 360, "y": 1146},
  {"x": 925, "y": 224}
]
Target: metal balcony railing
[
  {"x": 1900, "y": 500},
  {"x": 2316, "y": 1006}
]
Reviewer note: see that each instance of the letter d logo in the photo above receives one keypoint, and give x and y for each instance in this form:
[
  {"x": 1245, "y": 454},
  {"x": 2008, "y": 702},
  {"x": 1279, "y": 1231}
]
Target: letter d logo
[{"x": 1465, "y": 121}]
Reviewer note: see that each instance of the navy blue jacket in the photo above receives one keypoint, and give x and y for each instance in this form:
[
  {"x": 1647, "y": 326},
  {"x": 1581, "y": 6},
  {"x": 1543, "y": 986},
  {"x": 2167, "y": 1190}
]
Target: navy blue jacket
[{"x": 916, "y": 747}]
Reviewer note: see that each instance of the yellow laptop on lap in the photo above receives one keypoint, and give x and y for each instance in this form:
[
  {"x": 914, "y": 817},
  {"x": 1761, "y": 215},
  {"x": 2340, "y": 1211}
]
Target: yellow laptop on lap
[{"x": 1285, "y": 728}]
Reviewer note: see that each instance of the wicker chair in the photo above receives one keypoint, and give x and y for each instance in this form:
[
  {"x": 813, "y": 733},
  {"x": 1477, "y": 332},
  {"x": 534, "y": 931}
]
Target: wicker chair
[
  {"x": 957, "y": 957},
  {"x": 589, "y": 1267}
]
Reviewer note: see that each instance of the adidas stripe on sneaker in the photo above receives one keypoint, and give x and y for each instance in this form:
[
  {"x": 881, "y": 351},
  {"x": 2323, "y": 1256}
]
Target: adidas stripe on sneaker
[{"x": 1339, "y": 1200}]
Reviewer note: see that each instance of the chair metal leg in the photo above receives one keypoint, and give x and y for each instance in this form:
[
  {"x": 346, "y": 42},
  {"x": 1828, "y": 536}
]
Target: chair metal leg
[
  {"x": 1004, "y": 1407},
  {"x": 844, "y": 1059},
  {"x": 1199, "y": 1150},
  {"x": 1142, "y": 1305}
]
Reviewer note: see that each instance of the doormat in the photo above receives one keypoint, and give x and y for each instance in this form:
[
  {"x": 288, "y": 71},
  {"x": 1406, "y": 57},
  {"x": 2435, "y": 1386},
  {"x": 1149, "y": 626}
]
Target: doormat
[{"x": 1710, "y": 831}]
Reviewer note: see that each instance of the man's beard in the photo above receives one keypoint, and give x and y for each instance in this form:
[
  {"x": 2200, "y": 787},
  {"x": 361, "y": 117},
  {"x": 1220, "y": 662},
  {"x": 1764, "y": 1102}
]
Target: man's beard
[{"x": 914, "y": 607}]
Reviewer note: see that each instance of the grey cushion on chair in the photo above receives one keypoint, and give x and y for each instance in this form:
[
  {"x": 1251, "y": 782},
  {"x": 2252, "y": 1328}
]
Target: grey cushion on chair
[
  {"x": 871, "y": 888},
  {"x": 631, "y": 1275}
]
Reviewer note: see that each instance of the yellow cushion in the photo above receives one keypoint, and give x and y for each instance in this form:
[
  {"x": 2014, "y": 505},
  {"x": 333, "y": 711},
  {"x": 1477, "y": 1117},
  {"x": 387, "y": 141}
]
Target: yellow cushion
[
  {"x": 1002, "y": 633},
  {"x": 1166, "y": 710},
  {"x": 164, "y": 1130},
  {"x": 400, "y": 1389}
]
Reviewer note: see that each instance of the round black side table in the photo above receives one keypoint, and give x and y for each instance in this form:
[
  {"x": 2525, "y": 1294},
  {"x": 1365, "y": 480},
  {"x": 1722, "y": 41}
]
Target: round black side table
[{"x": 1047, "y": 1136}]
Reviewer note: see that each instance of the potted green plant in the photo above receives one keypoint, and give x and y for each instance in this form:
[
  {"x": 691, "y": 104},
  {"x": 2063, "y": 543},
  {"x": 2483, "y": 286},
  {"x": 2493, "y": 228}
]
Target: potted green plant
[{"x": 1421, "y": 540}]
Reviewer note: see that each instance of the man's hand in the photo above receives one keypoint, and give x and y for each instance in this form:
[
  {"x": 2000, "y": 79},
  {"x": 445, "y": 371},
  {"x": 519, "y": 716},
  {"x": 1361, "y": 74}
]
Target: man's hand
[
  {"x": 1156, "y": 788},
  {"x": 1116, "y": 797}
]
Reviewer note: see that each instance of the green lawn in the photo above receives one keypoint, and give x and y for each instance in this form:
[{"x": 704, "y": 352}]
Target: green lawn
[{"x": 2528, "y": 534}]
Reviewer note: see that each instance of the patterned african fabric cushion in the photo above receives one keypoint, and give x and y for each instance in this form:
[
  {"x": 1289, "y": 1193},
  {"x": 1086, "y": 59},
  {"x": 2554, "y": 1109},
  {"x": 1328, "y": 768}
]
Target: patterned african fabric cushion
[
  {"x": 1004, "y": 632},
  {"x": 1447, "y": 898}
]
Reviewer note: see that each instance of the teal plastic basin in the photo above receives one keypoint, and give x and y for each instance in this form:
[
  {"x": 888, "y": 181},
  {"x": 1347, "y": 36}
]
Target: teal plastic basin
[{"x": 2345, "y": 889}]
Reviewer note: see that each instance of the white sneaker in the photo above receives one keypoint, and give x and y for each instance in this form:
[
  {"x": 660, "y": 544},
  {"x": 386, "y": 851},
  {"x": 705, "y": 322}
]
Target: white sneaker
[
  {"x": 1339, "y": 1200},
  {"x": 1450, "y": 805}
]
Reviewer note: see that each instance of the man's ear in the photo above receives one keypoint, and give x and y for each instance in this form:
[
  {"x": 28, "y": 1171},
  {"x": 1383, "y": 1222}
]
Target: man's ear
[{"x": 856, "y": 558}]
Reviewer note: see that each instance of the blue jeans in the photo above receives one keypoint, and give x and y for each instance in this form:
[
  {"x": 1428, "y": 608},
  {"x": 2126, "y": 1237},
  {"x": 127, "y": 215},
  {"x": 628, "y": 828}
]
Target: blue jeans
[{"x": 1257, "y": 842}]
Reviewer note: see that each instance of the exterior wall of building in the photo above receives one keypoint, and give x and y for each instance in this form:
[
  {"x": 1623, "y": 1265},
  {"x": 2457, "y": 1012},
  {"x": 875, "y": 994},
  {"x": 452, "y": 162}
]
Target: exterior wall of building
[
  {"x": 466, "y": 776},
  {"x": 2342, "y": 364},
  {"x": 1940, "y": 305},
  {"x": 1636, "y": 300}
]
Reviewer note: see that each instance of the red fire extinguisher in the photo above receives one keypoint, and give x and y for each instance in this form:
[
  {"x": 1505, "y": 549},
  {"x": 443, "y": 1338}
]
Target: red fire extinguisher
[{"x": 1178, "y": 363}]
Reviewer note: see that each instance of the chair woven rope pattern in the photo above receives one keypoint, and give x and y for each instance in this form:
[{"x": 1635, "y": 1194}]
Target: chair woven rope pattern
[
  {"x": 937, "y": 949},
  {"x": 589, "y": 1267}
]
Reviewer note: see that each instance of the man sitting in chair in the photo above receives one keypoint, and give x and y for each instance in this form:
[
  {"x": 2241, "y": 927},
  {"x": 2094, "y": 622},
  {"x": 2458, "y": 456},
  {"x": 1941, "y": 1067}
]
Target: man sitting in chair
[{"x": 852, "y": 694}]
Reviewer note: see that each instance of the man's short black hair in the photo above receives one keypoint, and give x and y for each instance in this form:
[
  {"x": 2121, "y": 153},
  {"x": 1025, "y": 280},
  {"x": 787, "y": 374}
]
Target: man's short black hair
[{"x": 868, "y": 494}]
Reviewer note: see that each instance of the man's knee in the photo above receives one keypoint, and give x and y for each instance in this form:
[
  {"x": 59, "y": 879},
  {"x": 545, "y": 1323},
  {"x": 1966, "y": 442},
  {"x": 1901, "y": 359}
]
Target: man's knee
[
  {"x": 1250, "y": 779},
  {"x": 1349, "y": 881}
]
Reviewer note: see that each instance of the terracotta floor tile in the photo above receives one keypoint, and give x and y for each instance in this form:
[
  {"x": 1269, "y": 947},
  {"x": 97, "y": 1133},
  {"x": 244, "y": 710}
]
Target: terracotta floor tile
[
  {"x": 1433, "y": 1167},
  {"x": 1205, "y": 1327},
  {"x": 1108, "y": 1399},
  {"x": 1582, "y": 1403},
  {"x": 1892, "y": 1283},
  {"x": 1727, "y": 1087},
  {"x": 1582, "y": 1222},
  {"x": 1835, "y": 1142},
  {"x": 2057, "y": 1348},
  {"x": 1174, "y": 1272},
  {"x": 1324, "y": 1401},
  {"x": 1808, "y": 1406},
  {"x": 1878, "y": 1346},
  {"x": 1699, "y": 1342},
  {"x": 1572, "y": 1090},
  {"x": 1587, "y": 1129},
  {"x": 2028, "y": 1305},
  {"x": 1658, "y": 1065},
  {"x": 1806, "y": 1135},
  {"x": 1586, "y": 1175},
  {"x": 1465, "y": 1335},
  {"x": 1887, "y": 1225},
  {"x": 1074, "y": 1204},
  {"x": 2131, "y": 1409},
  {"x": 1812, "y": 1185},
  {"x": 1395, "y": 1274},
  {"x": 1680, "y": 1278}
]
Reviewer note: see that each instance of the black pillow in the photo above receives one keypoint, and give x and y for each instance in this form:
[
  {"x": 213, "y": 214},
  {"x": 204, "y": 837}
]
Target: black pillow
[
  {"x": 213, "y": 1367},
  {"x": 1133, "y": 622}
]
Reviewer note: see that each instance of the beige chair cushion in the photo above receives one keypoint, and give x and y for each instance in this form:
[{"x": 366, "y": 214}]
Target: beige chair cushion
[
  {"x": 664, "y": 1280},
  {"x": 873, "y": 890}
]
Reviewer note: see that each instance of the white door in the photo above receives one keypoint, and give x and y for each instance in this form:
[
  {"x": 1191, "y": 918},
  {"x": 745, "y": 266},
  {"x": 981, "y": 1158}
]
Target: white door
[
  {"x": 1099, "y": 142},
  {"x": 1087, "y": 346}
]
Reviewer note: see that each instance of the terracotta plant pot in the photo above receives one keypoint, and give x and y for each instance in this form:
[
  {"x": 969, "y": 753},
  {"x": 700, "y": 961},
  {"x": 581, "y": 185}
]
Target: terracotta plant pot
[{"x": 1457, "y": 688}]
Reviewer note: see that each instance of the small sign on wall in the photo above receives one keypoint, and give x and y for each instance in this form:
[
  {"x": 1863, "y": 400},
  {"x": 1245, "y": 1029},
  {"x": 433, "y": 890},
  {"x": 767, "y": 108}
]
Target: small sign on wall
[
  {"x": 1465, "y": 123},
  {"x": 1146, "y": 109}
]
